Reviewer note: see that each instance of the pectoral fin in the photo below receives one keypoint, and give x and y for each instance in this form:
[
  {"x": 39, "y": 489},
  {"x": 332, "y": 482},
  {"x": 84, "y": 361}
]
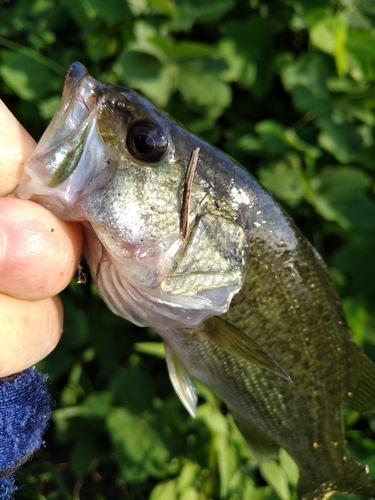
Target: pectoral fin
[
  {"x": 235, "y": 342},
  {"x": 181, "y": 380}
]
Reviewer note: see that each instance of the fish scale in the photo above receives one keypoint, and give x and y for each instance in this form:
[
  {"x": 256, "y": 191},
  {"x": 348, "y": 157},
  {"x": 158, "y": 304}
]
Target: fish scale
[{"x": 241, "y": 299}]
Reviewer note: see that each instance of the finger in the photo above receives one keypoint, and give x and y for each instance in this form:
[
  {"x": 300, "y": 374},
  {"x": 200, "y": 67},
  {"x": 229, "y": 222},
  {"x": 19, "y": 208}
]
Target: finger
[
  {"x": 39, "y": 253},
  {"x": 16, "y": 145},
  {"x": 29, "y": 331}
]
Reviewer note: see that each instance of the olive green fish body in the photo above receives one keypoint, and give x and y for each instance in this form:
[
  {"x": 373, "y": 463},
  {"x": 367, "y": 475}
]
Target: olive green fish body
[
  {"x": 180, "y": 238},
  {"x": 288, "y": 305}
]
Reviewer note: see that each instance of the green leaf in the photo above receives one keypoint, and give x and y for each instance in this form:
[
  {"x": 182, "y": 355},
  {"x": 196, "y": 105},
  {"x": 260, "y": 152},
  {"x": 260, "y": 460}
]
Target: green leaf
[
  {"x": 100, "y": 45},
  {"x": 341, "y": 197},
  {"x": 29, "y": 79},
  {"x": 112, "y": 11},
  {"x": 133, "y": 389},
  {"x": 323, "y": 34},
  {"x": 289, "y": 466},
  {"x": 144, "y": 72},
  {"x": 282, "y": 181},
  {"x": 227, "y": 462},
  {"x": 83, "y": 457},
  {"x": 165, "y": 7},
  {"x": 305, "y": 79},
  {"x": 204, "y": 90},
  {"x": 343, "y": 140},
  {"x": 151, "y": 348},
  {"x": 140, "y": 451},
  {"x": 164, "y": 491},
  {"x": 240, "y": 68},
  {"x": 360, "y": 55},
  {"x": 187, "y": 477},
  {"x": 276, "y": 477},
  {"x": 181, "y": 50},
  {"x": 96, "y": 405},
  {"x": 355, "y": 259},
  {"x": 202, "y": 12}
]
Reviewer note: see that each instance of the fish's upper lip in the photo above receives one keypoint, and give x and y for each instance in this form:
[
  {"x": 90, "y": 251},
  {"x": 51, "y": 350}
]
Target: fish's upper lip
[
  {"x": 78, "y": 100},
  {"x": 75, "y": 74}
]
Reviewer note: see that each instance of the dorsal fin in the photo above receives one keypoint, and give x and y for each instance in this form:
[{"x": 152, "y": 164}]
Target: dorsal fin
[{"x": 361, "y": 393}]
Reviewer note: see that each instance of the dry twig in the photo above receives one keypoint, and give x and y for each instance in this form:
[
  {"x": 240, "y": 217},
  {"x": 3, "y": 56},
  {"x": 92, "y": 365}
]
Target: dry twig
[{"x": 184, "y": 220}]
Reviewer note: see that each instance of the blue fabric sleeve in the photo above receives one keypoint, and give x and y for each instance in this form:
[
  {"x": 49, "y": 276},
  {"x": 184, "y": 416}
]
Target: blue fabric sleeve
[{"x": 25, "y": 408}]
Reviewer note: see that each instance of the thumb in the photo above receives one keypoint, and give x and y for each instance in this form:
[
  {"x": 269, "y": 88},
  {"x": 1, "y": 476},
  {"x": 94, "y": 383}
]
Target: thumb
[{"x": 16, "y": 145}]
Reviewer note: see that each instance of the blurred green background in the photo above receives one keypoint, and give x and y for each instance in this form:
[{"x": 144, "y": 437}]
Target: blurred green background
[{"x": 287, "y": 88}]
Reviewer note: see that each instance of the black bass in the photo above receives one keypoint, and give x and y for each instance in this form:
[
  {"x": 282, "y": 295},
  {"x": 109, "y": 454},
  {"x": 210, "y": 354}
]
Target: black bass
[{"x": 180, "y": 238}]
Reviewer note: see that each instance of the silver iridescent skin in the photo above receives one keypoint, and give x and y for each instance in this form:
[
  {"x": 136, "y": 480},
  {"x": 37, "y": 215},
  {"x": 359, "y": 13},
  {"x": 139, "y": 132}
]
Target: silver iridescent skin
[{"x": 202, "y": 253}]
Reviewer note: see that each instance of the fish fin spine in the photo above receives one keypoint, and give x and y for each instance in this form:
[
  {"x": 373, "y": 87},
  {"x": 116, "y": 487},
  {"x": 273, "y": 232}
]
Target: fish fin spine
[
  {"x": 361, "y": 395},
  {"x": 181, "y": 380}
]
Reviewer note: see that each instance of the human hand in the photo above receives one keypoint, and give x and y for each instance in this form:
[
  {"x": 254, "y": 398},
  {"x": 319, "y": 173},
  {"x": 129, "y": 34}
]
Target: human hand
[{"x": 39, "y": 254}]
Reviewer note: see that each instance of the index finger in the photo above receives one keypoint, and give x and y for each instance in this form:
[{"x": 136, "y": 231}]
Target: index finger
[{"x": 16, "y": 145}]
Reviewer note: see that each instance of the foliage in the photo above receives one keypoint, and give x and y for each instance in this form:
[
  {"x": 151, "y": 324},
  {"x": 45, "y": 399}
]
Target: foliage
[{"x": 287, "y": 88}]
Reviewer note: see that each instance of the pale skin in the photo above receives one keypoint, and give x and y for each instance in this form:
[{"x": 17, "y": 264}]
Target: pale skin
[{"x": 39, "y": 255}]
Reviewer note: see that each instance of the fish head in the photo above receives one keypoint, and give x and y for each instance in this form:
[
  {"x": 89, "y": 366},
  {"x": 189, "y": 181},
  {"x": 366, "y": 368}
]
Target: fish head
[{"x": 116, "y": 163}]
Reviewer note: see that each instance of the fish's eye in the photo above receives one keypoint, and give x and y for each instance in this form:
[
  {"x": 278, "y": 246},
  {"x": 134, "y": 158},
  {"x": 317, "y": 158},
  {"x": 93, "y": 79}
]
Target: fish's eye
[{"x": 147, "y": 141}]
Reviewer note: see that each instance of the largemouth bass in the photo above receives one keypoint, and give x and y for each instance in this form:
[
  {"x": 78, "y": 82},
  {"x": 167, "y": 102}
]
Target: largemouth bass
[{"x": 180, "y": 238}]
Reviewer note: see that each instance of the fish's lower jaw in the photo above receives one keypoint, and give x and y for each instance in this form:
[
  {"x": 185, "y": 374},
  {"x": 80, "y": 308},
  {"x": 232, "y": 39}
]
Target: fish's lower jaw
[{"x": 357, "y": 481}]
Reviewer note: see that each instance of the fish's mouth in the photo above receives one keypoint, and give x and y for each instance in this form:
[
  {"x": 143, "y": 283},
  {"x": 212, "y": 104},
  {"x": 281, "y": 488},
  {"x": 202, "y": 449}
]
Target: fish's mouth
[
  {"x": 79, "y": 94},
  {"x": 60, "y": 158}
]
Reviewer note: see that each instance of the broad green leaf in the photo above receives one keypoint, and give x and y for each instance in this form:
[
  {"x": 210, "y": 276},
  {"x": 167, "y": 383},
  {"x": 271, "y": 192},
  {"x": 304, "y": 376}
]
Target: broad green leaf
[
  {"x": 164, "y": 6},
  {"x": 360, "y": 47},
  {"x": 133, "y": 389},
  {"x": 139, "y": 449},
  {"x": 112, "y": 11},
  {"x": 289, "y": 466},
  {"x": 358, "y": 319},
  {"x": 252, "y": 37},
  {"x": 144, "y": 72},
  {"x": 341, "y": 197},
  {"x": 324, "y": 34},
  {"x": 189, "y": 494},
  {"x": 164, "y": 491},
  {"x": 83, "y": 457},
  {"x": 151, "y": 348},
  {"x": 343, "y": 140},
  {"x": 188, "y": 476},
  {"x": 356, "y": 259},
  {"x": 29, "y": 79},
  {"x": 276, "y": 477},
  {"x": 181, "y": 50},
  {"x": 96, "y": 405},
  {"x": 240, "y": 68},
  {"x": 227, "y": 461},
  {"x": 215, "y": 421},
  {"x": 100, "y": 45},
  {"x": 282, "y": 181},
  {"x": 292, "y": 139},
  {"x": 305, "y": 79},
  {"x": 203, "y": 90},
  {"x": 47, "y": 107},
  {"x": 191, "y": 11}
]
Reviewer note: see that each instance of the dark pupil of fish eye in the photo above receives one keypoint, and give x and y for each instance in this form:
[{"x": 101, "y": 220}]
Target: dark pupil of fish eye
[
  {"x": 147, "y": 141},
  {"x": 144, "y": 143}
]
